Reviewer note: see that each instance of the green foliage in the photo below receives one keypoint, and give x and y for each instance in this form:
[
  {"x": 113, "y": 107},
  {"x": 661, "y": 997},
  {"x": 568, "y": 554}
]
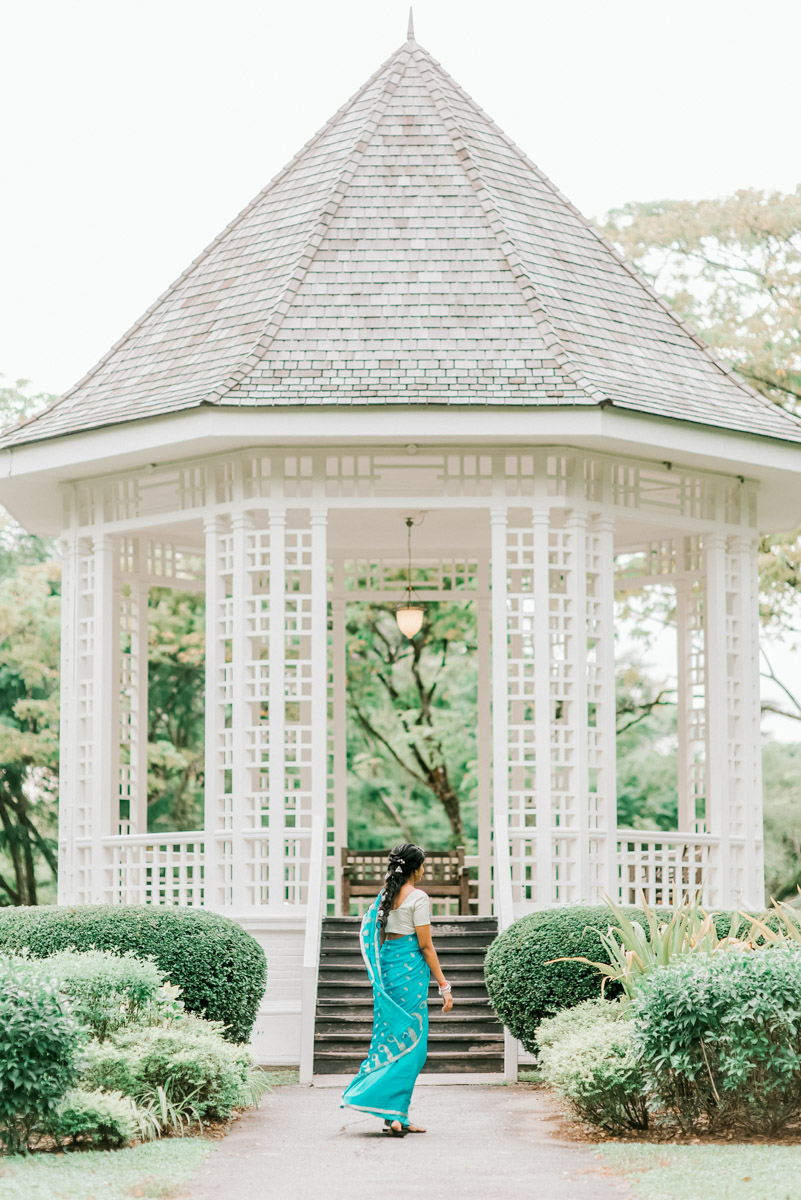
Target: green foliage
[
  {"x": 781, "y": 773},
  {"x": 525, "y": 985},
  {"x": 220, "y": 968},
  {"x": 108, "y": 990},
  {"x": 732, "y": 268},
  {"x": 646, "y": 748},
  {"x": 176, "y": 709},
  {"x": 574, "y": 1020},
  {"x": 29, "y": 695},
  {"x": 188, "y": 1059},
  {"x": 411, "y": 727},
  {"x": 587, "y": 1057},
  {"x": 635, "y": 947},
  {"x": 720, "y": 1038},
  {"x": 106, "y": 1119},
  {"x": 39, "y": 1050}
]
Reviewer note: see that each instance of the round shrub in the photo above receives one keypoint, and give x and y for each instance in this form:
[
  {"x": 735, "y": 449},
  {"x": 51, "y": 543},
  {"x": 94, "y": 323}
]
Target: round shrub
[
  {"x": 587, "y": 1055},
  {"x": 220, "y": 968},
  {"x": 40, "y": 1043},
  {"x": 525, "y": 986},
  {"x": 188, "y": 1059},
  {"x": 720, "y": 1039},
  {"x": 106, "y": 990},
  {"x": 106, "y": 1119}
]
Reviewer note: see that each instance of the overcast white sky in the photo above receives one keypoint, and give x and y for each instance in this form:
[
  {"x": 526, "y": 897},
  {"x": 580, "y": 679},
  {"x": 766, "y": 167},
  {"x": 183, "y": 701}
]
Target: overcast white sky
[{"x": 132, "y": 133}]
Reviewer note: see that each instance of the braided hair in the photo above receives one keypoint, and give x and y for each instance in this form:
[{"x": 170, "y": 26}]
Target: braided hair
[{"x": 404, "y": 860}]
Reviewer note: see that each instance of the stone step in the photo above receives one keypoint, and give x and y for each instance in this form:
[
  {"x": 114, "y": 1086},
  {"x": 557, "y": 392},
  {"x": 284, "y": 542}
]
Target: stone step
[
  {"x": 438, "y": 1062},
  {"x": 344, "y": 943},
  {"x": 333, "y": 1007},
  {"x": 467, "y": 1026},
  {"x": 333, "y": 965}
]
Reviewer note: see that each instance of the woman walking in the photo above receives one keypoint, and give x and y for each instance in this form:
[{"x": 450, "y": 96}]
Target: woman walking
[{"x": 400, "y": 956}]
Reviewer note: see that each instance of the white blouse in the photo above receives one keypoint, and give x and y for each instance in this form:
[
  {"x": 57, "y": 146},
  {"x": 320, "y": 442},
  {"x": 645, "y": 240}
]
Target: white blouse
[{"x": 412, "y": 912}]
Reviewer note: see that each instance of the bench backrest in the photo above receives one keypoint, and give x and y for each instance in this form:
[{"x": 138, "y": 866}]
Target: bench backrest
[{"x": 364, "y": 872}]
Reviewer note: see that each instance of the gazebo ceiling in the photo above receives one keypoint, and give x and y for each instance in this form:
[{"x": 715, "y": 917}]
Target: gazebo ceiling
[{"x": 409, "y": 255}]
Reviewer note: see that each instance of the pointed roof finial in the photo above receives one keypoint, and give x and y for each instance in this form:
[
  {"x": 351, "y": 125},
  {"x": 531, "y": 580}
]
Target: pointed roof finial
[{"x": 410, "y": 29}]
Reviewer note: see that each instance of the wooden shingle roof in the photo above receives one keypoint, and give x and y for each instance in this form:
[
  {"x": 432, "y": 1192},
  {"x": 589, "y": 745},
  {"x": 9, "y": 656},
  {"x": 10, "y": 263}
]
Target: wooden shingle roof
[{"x": 410, "y": 254}]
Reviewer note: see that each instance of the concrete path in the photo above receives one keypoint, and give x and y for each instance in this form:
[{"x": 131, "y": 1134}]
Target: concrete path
[{"x": 483, "y": 1143}]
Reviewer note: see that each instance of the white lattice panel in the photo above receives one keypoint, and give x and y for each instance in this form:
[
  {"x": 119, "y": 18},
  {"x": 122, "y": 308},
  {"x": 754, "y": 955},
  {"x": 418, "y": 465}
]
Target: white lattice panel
[{"x": 664, "y": 868}]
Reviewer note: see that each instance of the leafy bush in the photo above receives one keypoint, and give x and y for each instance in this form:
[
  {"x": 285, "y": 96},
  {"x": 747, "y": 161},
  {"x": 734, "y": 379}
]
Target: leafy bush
[
  {"x": 39, "y": 1050},
  {"x": 587, "y": 1056},
  {"x": 525, "y": 985},
  {"x": 720, "y": 1038},
  {"x": 188, "y": 1059},
  {"x": 107, "y": 990},
  {"x": 633, "y": 949},
  {"x": 101, "y": 1118},
  {"x": 220, "y": 968}
]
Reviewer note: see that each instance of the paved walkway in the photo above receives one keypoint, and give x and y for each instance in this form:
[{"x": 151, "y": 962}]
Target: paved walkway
[{"x": 483, "y": 1143}]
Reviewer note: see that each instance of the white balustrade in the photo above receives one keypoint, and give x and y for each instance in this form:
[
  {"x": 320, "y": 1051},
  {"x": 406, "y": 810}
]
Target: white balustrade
[
  {"x": 664, "y": 867},
  {"x": 167, "y": 868}
]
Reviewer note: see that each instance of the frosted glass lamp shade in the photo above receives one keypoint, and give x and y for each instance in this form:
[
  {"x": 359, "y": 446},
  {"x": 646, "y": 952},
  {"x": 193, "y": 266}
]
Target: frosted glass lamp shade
[{"x": 409, "y": 618}]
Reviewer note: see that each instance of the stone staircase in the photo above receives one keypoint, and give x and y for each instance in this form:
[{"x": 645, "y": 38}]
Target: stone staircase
[{"x": 468, "y": 1039}]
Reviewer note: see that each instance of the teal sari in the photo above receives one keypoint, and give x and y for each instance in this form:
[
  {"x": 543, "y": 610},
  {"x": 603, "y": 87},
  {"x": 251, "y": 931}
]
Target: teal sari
[{"x": 400, "y": 977}]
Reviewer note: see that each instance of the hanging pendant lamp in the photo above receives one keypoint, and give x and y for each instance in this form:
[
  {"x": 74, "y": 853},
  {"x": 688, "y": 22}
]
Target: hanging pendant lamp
[{"x": 409, "y": 611}]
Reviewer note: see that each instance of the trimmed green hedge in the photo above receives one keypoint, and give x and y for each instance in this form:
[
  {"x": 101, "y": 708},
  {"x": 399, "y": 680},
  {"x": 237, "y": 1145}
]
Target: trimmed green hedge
[
  {"x": 221, "y": 968},
  {"x": 524, "y": 991}
]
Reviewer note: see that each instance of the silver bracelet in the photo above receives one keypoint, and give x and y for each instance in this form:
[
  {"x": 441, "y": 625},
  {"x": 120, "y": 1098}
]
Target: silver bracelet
[{"x": 444, "y": 991}]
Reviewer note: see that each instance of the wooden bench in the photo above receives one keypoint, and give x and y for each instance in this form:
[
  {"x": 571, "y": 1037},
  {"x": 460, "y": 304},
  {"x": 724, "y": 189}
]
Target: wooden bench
[{"x": 446, "y": 877}]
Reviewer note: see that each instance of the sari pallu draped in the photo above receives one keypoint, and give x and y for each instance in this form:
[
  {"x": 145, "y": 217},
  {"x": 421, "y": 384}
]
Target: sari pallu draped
[{"x": 400, "y": 978}]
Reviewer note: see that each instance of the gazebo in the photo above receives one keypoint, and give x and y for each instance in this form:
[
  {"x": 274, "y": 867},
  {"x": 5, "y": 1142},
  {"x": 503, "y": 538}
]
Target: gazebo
[{"x": 410, "y": 317}]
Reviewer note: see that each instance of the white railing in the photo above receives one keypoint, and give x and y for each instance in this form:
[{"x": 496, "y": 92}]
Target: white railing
[
  {"x": 155, "y": 868},
  {"x": 665, "y": 867}
]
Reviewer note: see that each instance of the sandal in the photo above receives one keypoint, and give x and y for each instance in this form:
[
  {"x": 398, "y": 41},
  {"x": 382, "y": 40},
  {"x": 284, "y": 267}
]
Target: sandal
[{"x": 392, "y": 1131}]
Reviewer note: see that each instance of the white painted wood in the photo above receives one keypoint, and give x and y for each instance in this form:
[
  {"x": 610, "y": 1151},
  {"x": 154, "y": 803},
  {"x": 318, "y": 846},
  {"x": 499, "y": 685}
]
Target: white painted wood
[
  {"x": 104, "y": 720},
  {"x": 213, "y": 528},
  {"x": 241, "y": 526},
  {"x": 606, "y": 716},
  {"x": 139, "y": 653},
  {"x": 277, "y": 693},
  {"x": 540, "y": 520},
  {"x": 484, "y": 739},
  {"x": 717, "y": 715},
  {"x": 744, "y": 550},
  {"x": 340, "y": 726},
  {"x": 319, "y": 691},
  {"x": 576, "y": 668},
  {"x": 69, "y": 734}
]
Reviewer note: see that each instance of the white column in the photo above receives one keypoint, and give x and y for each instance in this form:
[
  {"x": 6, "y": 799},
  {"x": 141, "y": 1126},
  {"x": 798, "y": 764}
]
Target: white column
[
  {"x": 540, "y": 519},
  {"x": 68, "y": 739},
  {"x": 500, "y": 721},
  {"x": 686, "y": 795},
  {"x": 105, "y": 687},
  {"x": 241, "y": 524},
  {"x": 277, "y": 703},
  {"x": 576, "y": 529},
  {"x": 141, "y": 651},
  {"x": 213, "y": 527},
  {"x": 504, "y": 907},
  {"x": 745, "y": 548},
  {"x": 319, "y": 722},
  {"x": 340, "y": 721},
  {"x": 606, "y": 716},
  {"x": 484, "y": 740},
  {"x": 717, "y": 713}
]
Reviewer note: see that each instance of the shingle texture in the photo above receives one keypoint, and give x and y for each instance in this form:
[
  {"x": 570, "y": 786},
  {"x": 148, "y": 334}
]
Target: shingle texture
[{"x": 410, "y": 254}]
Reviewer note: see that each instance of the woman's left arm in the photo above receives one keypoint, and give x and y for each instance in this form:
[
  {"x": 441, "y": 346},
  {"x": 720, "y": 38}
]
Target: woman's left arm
[{"x": 426, "y": 944}]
